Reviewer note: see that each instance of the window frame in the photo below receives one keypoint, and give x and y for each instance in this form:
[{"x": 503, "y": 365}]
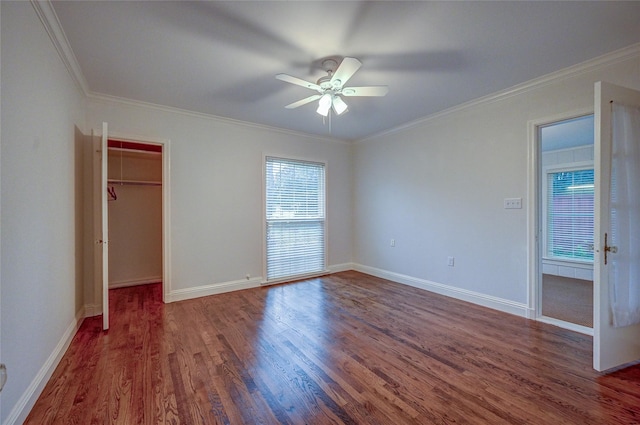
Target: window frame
[
  {"x": 265, "y": 221},
  {"x": 552, "y": 169}
]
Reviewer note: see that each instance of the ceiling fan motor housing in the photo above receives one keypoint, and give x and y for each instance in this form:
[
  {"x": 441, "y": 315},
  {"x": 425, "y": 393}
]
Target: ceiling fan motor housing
[{"x": 329, "y": 65}]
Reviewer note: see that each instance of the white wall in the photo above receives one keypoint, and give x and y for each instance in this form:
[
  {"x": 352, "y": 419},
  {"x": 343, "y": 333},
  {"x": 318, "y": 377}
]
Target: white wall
[
  {"x": 216, "y": 190},
  {"x": 437, "y": 188},
  {"x": 42, "y": 123}
]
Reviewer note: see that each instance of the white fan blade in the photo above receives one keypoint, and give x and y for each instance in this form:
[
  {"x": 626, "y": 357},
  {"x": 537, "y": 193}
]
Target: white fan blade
[
  {"x": 347, "y": 68},
  {"x": 298, "y": 81},
  {"x": 303, "y": 101},
  {"x": 365, "y": 91}
]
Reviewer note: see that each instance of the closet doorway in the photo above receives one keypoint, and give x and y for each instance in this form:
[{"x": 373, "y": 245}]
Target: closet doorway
[{"x": 135, "y": 213}]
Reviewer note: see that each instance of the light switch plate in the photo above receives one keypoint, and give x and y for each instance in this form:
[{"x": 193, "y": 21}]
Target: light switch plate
[{"x": 512, "y": 203}]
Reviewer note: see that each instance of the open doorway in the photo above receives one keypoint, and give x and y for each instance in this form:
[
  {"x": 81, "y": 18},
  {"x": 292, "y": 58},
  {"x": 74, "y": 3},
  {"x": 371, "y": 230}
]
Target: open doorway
[
  {"x": 565, "y": 186},
  {"x": 132, "y": 217},
  {"x": 135, "y": 213}
]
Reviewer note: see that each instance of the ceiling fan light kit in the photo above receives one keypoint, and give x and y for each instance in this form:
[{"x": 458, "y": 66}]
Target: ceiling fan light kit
[
  {"x": 324, "y": 104},
  {"x": 331, "y": 87},
  {"x": 339, "y": 105}
]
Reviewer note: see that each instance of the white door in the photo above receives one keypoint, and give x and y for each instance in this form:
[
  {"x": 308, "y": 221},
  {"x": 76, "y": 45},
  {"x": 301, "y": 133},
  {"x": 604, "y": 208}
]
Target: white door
[
  {"x": 612, "y": 346},
  {"x": 104, "y": 239}
]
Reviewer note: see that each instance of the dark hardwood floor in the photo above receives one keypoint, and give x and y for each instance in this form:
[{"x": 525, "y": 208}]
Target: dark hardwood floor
[{"x": 342, "y": 349}]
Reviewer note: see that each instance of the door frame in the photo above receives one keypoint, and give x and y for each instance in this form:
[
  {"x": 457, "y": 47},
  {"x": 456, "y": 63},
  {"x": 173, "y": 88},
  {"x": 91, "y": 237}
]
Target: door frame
[
  {"x": 534, "y": 219},
  {"x": 166, "y": 208}
]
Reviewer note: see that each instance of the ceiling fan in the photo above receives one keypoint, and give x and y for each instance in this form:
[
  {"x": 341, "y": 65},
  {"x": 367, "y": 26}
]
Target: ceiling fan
[{"x": 331, "y": 87}]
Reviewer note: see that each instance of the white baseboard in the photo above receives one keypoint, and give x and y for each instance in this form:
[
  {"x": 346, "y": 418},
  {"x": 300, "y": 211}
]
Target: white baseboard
[
  {"x": 91, "y": 310},
  {"x": 28, "y": 399},
  {"x": 337, "y": 268},
  {"x": 565, "y": 325},
  {"x": 484, "y": 300},
  {"x": 135, "y": 282},
  {"x": 236, "y": 285},
  {"x": 213, "y": 289}
]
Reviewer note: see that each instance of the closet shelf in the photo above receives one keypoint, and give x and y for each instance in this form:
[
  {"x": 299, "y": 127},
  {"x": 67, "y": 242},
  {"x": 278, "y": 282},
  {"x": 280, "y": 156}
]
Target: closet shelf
[{"x": 134, "y": 182}]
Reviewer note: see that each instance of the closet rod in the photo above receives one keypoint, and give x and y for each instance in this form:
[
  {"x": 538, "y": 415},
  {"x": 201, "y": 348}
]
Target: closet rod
[
  {"x": 112, "y": 149},
  {"x": 134, "y": 182}
]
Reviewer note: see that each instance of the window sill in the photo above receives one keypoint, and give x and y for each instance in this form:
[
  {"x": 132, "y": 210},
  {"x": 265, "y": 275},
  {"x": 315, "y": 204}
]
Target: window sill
[{"x": 567, "y": 262}]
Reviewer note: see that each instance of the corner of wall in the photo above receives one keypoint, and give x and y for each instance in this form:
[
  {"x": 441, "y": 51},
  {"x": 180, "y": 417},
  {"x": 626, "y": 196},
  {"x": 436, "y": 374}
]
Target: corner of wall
[
  {"x": 337, "y": 268},
  {"x": 91, "y": 310}
]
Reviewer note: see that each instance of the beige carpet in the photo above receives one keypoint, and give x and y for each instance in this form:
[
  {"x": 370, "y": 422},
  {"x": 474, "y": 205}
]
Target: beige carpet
[{"x": 568, "y": 299}]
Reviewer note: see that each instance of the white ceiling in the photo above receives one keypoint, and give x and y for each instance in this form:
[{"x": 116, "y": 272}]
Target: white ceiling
[{"x": 220, "y": 58}]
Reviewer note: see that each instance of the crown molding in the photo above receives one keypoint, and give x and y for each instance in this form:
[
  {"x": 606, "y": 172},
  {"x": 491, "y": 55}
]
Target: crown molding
[
  {"x": 99, "y": 97},
  {"x": 46, "y": 13},
  {"x": 607, "y": 59}
]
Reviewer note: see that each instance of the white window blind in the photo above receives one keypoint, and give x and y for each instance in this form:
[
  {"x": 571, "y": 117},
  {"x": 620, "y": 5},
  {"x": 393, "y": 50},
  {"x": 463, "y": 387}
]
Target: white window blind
[
  {"x": 570, "y": 210},
  {"x": 295, "y": 217}
]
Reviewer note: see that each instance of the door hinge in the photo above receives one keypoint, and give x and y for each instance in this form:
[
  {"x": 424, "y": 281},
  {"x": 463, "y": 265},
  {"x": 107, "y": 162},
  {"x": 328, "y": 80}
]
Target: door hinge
[
  {"x": 607, "y": 248},
  {"x": 3, "y": 375}
]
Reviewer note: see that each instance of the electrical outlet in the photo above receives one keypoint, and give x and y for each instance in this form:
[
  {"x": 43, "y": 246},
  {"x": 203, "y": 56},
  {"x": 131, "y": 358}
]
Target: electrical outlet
[
  {"x": 512, "y": 203},
  {"x": 393, "y": 242},
  {"x": 450, "y": 261}
]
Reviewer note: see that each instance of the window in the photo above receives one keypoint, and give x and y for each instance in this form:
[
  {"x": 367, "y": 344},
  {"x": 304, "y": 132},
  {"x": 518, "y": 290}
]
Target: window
[
  {"x": 570, "y": 210},
  {"x": 295, "y": 217}
]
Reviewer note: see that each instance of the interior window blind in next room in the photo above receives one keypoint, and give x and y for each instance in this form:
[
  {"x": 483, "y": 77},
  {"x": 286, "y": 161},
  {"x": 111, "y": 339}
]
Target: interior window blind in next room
[
  {"x": 570, "y": 211},
  {"x": 295, "y": 217}
]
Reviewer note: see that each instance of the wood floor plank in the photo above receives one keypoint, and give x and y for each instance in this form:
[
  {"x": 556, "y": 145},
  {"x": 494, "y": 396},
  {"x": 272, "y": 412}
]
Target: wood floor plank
[{"x": 342, "y": 349}]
